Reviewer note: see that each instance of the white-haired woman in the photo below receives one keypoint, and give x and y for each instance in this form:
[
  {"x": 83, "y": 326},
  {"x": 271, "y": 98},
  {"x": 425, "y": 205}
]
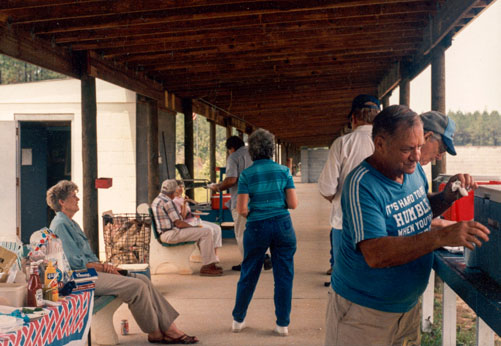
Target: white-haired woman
[
  {"x": 182, "y": 203},
  {"x": 265, "y": 193},
  {"x": 154, "y": 315}
]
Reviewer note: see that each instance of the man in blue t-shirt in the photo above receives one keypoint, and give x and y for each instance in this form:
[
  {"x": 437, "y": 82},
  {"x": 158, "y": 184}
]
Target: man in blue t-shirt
[{"x": 386, "y": 249}]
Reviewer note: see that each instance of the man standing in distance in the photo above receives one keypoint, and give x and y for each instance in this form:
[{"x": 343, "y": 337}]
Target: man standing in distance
[
  {"x": 345, "y": 154},
  {"x": 238, "y": 160}
]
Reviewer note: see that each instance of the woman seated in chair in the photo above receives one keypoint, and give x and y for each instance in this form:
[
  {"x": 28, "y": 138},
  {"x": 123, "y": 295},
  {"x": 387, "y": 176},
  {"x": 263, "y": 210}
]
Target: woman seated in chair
[
  {"x": 182, "y": 203},
  {"x": 154, "y": 315}
]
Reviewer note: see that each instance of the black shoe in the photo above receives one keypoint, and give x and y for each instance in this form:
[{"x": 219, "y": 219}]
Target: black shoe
[
  {"x": 267, "y": 262},
  {"x": 237, "y": 268}
]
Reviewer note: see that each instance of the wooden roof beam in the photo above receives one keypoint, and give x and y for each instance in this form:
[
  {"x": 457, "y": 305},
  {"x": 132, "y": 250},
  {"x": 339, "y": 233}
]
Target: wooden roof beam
[
  {"x": 22, "y": 46},
  {"x": 184, "y": 29},
  {"x": 264, "y": 12},
  {"x": 230, "y": 36},
  {"x": 119, "y": 75}
]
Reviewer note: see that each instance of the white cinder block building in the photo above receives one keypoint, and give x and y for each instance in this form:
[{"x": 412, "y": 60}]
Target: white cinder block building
[{"x": 41, "y": 143}]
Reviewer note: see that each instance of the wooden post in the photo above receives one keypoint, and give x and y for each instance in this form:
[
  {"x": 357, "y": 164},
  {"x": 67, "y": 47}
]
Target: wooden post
[
  {"x": 212, "y": 149},
  {"x": 152, "y": 143},
  {"x": 283, "y": 154},
  {"x": 386, "y": 101},
  {"x": 448, "y": 316},
  {"x": 89, "y": 161},
  {"x": 188, "y": 141},
  {"x": 438, "y": 98},
  {"x": 227, "y": 121},
  {"x": 405, "y": 92},
  {"x": 405, "y": 85}
]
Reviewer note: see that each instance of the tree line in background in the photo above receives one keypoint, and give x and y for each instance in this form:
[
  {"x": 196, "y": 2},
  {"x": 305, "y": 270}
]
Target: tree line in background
[
  {"x": 201, "y": 143},
  {"x": 477, "y": 128},
  {"x": 17, "y": 71}
]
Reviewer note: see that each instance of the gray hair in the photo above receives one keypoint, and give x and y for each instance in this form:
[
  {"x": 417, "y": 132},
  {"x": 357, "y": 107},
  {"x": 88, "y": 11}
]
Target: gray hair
[
  {"x": 437, "y": 137},
  {"x": 390, "y": 119},
  {"x": 169, "y": 186},
  {"x": 60, "y": 191},
  {"x": 261, "y": 145},
  {"x": 366, "y": 114}
]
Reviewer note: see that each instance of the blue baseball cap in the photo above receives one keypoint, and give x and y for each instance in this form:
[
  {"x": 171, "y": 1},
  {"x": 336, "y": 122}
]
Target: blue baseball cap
[
  {"x": 364, "y": 101},
  {"x": 443, "y": 125}
]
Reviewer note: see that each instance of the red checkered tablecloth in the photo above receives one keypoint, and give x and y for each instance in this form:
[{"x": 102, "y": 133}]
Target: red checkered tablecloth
[{"x": 65, "y": 324}]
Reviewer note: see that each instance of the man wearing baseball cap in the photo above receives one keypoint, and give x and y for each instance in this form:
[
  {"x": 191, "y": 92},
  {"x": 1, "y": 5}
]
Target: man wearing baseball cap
[
  {"x": 345, "y": 154},
  {"x": 438, "y": 134}
]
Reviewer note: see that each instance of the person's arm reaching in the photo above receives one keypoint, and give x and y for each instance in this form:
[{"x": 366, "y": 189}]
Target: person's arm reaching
[
  {"x": 441, "y": 201},
  {"x": 392, "y": 251},
  {"x": 224, "y": 185}
]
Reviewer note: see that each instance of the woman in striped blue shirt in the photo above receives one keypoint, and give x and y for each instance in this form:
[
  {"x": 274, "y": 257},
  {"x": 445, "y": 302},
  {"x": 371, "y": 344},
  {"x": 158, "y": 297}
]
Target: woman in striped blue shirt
[{"x": 265, "y": 193}]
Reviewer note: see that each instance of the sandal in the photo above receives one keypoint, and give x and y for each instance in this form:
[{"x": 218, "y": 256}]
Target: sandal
[{"x": 182, "y": 340}]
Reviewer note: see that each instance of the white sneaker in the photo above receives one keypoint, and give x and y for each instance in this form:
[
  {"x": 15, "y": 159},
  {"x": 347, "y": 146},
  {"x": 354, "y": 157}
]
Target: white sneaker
[
  {"x": 237, "y": 327},
  {"x": 282, "y": 331}
]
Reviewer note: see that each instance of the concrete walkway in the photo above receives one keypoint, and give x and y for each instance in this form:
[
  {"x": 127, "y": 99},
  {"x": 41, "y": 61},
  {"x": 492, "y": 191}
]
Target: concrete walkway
[{"x": 205, "y": 303}]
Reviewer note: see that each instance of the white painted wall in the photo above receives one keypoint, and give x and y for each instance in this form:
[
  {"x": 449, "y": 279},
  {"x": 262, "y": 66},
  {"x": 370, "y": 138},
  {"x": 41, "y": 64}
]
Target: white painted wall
[
  {"x": 8, "y": 180},
  {"x": 312, "y": 163},
  {"x": 116, "y": 137}
]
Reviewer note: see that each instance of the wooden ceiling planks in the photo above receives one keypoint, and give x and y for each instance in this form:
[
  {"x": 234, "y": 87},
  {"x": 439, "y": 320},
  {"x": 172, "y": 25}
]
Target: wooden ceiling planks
[{"x": 290, "y": 66}]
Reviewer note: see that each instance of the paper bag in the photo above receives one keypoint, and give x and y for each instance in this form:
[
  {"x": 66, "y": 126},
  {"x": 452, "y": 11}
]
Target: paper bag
[{"x": 7, "y": 259}]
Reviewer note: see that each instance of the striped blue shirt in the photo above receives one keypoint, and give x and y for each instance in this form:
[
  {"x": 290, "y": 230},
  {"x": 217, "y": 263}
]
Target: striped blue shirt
[
  {"x": 265, "y": 181},
  {"x": 373, "y": 207}
]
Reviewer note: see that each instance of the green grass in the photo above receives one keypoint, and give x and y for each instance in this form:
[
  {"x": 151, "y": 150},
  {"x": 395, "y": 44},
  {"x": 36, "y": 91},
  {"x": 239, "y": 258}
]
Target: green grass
[{"x": 465, "y": 332}]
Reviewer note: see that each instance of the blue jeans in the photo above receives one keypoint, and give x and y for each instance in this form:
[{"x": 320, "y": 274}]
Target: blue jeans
[
  {"x": 335, "y": 240},
  {"x": 278, "y": 234}
]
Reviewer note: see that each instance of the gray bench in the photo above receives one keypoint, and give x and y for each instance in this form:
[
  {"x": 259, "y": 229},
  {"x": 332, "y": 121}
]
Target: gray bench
[
  {"x": 102, "y": 329},
  {"x": 177, "y": 254}
]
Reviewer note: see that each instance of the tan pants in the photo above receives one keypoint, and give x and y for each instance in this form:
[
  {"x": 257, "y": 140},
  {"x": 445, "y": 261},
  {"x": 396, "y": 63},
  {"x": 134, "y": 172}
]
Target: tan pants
[
  {"x": 239, "y": 229},
  {"x": 150, "y": 309},
  {"x": 217, "y": 237},
  {"x": 202, "y": 235},
  {"x": 350, "y": 324}
]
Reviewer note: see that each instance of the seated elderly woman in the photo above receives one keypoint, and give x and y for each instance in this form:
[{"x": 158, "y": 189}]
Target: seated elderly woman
[
  {"x": 154, "y": 315},
  {"x": 182, "y": 205}
]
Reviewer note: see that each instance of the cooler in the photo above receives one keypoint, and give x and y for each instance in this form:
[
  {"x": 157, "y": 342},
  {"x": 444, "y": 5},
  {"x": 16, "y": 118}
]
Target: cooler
[
  {"x": 463, "y": 208},
  {"x": 488, "y": 212},
  {"x": 215, "y": 201}
]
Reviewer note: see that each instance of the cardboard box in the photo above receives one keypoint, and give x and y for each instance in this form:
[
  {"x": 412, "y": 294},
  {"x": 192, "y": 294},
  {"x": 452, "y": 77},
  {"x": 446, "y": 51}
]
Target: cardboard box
[{"x": 13, "y": 294}]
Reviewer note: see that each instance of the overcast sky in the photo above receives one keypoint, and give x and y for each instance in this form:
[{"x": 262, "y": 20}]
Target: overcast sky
[{"x": 473, "y": 68}]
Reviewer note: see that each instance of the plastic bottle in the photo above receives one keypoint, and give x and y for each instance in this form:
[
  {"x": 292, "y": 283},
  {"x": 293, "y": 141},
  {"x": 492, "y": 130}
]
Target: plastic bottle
[
  {"x": 50, "y": 283},
  {"x": 35, "y": 292}
]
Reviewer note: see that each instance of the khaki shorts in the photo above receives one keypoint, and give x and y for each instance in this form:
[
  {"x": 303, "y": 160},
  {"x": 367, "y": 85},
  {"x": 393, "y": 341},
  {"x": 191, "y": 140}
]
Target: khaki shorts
[{"x": 350, "y": 324}]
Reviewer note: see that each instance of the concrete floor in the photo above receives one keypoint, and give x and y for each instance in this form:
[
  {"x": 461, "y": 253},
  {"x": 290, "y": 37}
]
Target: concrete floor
[{"x": 205, "y": 303}]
